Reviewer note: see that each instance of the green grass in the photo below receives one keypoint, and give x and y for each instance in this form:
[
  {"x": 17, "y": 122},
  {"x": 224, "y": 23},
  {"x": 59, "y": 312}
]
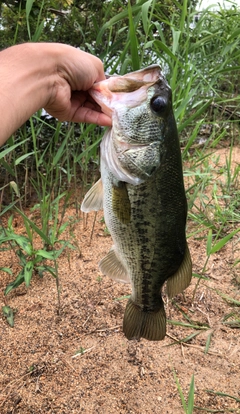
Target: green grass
[{"x": 188, "y": 405}]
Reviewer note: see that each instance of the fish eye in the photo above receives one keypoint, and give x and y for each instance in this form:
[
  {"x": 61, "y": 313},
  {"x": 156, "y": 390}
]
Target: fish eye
[{"x": 158, "y": 104}]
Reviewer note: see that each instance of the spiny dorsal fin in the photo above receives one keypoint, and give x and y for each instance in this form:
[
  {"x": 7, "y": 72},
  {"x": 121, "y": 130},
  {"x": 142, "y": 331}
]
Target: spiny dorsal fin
[
  {"x": 120, "y": 203},
  {"x": 141, "y": 324},
  {"x": 93, "y": 200},
  {"x": 111, "y": 266},
  {"x": 182, "y": 278}
]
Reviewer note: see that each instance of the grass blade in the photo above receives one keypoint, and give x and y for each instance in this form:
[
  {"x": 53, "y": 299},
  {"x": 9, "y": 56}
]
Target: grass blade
[
  {"x": 191, "y": 397},
  {"x": 207, "y": 346},
  {"x": 223, "y": 394},
  {"x": 221, "y": 243},
  {"x": 28, "y": 271},
  {"x": 133, "y": 39},
  {"x": 180, "y": 392}
]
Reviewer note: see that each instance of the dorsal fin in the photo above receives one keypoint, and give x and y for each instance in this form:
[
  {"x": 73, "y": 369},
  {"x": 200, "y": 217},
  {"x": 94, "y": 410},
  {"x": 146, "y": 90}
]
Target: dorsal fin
[{"x": 93, "y": 200}]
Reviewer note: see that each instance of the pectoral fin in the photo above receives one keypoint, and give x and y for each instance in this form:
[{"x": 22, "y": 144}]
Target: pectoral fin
[
  {"x": 111, "y": 266},
  {"x": 182, "y": 278},
  {"x": 93, "y": 200}
]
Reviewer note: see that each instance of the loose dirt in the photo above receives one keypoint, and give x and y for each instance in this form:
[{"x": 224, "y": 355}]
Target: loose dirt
[{"x": 76, "y": 359}]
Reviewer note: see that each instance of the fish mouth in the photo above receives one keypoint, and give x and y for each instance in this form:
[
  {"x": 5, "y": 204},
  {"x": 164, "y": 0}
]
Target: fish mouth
[
  {"x": 132, "y": 81},
  {"x": 134, "y": 86}
]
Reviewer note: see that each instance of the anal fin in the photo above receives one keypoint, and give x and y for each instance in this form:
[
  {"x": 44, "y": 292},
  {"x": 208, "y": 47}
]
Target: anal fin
[
  {"x": 93, "y": 200},
  {"x": 112, "y": 266},
  {"x": 182, "y": 278}
]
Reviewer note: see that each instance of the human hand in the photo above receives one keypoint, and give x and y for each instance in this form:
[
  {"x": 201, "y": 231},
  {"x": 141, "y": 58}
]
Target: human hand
[
  {"x": 53, "y": 76},
  {"x": 76, "y": 72}
]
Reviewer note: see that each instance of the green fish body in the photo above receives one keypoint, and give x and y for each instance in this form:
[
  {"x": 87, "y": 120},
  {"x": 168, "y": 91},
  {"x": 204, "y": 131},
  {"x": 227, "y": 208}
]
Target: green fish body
[{"x": 142, "y": 194}]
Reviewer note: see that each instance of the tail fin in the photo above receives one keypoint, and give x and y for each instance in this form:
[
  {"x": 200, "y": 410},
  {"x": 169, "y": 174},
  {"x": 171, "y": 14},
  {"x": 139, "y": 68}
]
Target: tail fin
[{"x": 139, "y": 324}]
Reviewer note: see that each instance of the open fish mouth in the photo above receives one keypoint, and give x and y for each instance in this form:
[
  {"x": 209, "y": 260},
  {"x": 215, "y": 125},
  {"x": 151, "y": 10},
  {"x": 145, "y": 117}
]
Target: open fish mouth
[{"x": 134, "y": 86}]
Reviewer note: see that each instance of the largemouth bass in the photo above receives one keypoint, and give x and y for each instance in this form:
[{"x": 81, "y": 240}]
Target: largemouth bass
[{"x": 141, "y": 191}]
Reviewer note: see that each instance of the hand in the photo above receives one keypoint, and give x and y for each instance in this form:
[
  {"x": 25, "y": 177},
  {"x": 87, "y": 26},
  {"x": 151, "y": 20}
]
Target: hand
[
  {"x": 76, "y": 72},
  {"x": 53, "y": 76}
]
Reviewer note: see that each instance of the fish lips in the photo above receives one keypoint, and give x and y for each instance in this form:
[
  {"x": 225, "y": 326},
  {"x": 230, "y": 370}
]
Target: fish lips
[{"x": 132, "y": 86}]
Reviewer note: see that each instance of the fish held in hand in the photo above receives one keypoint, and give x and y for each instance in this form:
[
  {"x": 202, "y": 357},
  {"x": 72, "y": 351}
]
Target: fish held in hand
[{"x": 141, "y": 191}]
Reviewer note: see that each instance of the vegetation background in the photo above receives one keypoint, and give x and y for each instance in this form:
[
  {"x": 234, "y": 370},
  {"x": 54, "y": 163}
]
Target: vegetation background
[{"x": 46, "y": 165}]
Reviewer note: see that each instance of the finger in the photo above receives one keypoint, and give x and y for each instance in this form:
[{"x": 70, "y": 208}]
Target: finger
[{"x": 91, "y": 116}]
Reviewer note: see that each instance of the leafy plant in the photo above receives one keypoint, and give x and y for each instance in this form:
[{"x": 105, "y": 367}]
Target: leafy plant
[
  {"x": 31, "y": 260},
  {"x": 8, "y": 313}
]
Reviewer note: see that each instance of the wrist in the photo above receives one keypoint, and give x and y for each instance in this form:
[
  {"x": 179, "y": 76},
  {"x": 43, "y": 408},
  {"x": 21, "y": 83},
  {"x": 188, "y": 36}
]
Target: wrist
[{"x": 27, "y": 76}]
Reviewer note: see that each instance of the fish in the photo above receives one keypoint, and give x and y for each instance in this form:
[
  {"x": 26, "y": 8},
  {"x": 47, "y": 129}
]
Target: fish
[{"x": 141, "y": 192}]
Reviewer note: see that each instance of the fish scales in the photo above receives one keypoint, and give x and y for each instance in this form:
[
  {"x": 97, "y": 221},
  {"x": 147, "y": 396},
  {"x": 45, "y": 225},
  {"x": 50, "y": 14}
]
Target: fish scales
[{"x": 144, "y": 204}]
